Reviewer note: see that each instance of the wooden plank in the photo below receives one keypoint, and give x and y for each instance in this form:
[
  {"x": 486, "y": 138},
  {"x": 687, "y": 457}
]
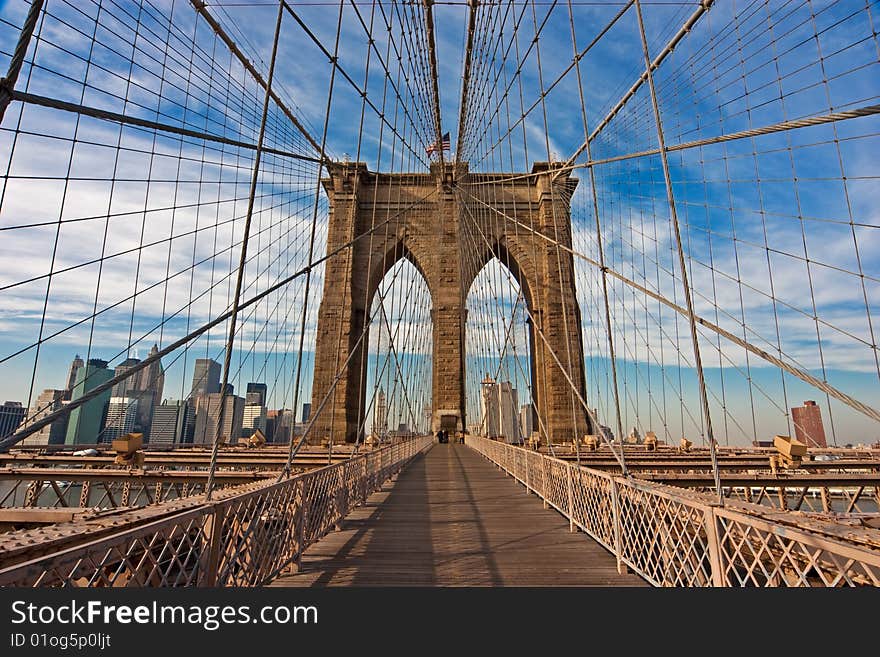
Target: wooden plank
[{"x": 452, "y": 519}]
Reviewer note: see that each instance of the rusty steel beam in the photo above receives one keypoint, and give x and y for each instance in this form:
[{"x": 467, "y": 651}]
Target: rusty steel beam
[
  {"x": 31, "y": 544},
  {"x": 228, "y": 477},
  {"x": 41, "y": 515},
  {"x": 168, "y": 460},
  {"x": 785, "y": 479},
  {"x": 18, "y": 518},
  {"x": 260, "y": 460},
  {"x": 727, "y": 465}
]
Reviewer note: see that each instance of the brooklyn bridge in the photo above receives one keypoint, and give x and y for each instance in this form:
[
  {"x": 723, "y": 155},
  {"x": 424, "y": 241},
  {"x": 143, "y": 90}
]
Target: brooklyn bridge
[{"x": 439, "y": 293}]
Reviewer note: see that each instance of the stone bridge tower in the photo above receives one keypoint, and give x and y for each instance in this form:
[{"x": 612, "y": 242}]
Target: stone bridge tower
[{"x": 433, "y": 219}]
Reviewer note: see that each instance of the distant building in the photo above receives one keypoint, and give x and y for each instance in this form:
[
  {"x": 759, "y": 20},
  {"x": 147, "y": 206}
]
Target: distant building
[
  {"x": 144, "y": 387},
  {"x": 528, "y": 420},
  {"x": 808, "y": 427},
  {"x": 270, "y": 426},
  {"x": 255, "y": 413},
  {"x": 87, "y": 421},
  {"x": 205, "y": 381},
  {"x": 500, "y": 410},
  {"x": 256, "y": 394},
  {"x": 169, "y": 421},
  {"x": 122, "y": 387},
  {"x": 75, "y": 366},
  {"x": 402, "y": 431},
  {"x": 206, "y": 377},
  {"x": 189, "y": 420},
  {"x": 122, "y": 413},
  {"x": 307, "y": 412},
  {"x": 253, "y": 417},
  {"x": 208, "y": 415},
  {"x": 49, "y": 401},
  {"x": 380, "y": 415},
  {"x": 151, "y": 386},
  {"x": 280, "y": 425},
  {"x": 427, "y": 418},
  {"x": 11, "y": 415}
]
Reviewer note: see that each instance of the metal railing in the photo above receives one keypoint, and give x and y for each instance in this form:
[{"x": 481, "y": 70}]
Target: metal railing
[
  {"x": 677, "y": 537},
  {"x": 239, "y": 539}
]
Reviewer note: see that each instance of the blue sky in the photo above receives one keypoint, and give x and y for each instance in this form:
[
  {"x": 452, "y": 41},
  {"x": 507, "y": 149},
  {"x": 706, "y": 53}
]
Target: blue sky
[{"x": 764, "y": 220}]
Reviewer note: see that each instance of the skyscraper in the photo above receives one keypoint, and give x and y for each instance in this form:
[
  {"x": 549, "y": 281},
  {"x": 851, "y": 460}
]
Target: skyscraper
[
  {"x": 169, "y": 419},
  {"x": 380, "y": 414},
  {"x": 808, "y": 426},
  {"x": 11, "y": 415},
  {"x": 206, "y": 377},
  {"x": 145, "y": 387},
  {"x": 528, "y": 421},
  {"x": 87, "y": 421},
  {"x": 121, "y": 388},
  {"x": 49, "y": 401},
  {"x": 280, "y": 425},
  {"x": 151, "y": 384},
  {"x": 256, "y": 394},
  {"x": 208, "y": 415},
  {"x": 307, "y": 412},
  {"x": 205, "y": 381},
  {"x": 254, "y": 415},
  {"x": 499, "y": 410},
  {"x": 75, "y": 367},
  {"x": 153, "y": 375},
  {"x": 427, "y": 418},
  {"x": 253, "y": 418},
  {"x": 122, "y": 413}
]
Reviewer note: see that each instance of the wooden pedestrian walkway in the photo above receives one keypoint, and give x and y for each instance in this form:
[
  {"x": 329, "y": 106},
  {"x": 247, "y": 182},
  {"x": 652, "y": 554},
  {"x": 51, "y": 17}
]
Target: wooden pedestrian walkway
[{"x": 452, "y": 519}]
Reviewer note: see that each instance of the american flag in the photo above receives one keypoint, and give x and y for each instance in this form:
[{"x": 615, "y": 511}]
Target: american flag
[{"x": 444, "y": 144}]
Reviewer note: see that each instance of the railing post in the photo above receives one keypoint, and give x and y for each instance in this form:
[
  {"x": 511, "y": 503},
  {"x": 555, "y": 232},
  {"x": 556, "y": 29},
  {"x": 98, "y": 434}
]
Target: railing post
[
  {"x": 292, "y": 565},
  {"x": 363, "y": 486},
  {"x": 568, "y": 469},
  {"x": 615, "y": 513},
  {"x": 544, "y": 480},
  {"x": 303, "y": 521},
  {"x": 714, "y": 544},
  {"x": 214, "y": 532},
  {"x": 528, "y": 468},
  {"x": 341, "y": 498}
]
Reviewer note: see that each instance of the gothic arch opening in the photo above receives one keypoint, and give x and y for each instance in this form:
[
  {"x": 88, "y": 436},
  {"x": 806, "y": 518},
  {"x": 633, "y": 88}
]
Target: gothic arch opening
[
  {"x": 501, "y": 393},
  {"x": 384, "y": 260},
  {"x": 397, "y": 381}
]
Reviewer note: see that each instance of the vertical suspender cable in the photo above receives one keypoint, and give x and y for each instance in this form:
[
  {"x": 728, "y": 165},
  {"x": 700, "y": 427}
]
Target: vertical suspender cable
[{"x": 255, "y": 176}]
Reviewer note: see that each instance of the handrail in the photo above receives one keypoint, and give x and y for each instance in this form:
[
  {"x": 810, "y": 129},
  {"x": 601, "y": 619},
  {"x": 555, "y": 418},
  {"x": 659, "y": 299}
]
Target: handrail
[{"x": 677, "y": 537}]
